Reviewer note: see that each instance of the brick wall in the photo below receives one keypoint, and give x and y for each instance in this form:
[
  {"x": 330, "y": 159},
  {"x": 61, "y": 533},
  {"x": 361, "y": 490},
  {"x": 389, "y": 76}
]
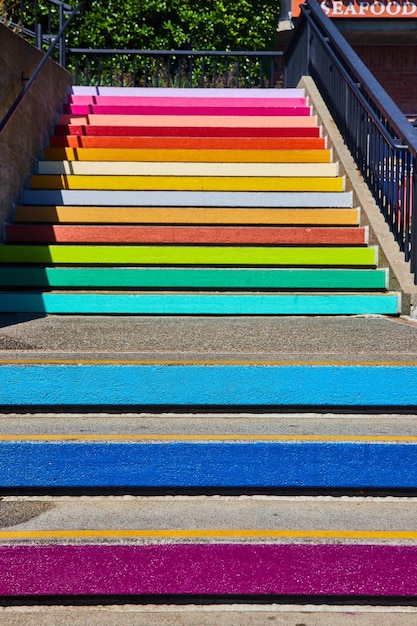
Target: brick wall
[{"x": 395, "y": 67}]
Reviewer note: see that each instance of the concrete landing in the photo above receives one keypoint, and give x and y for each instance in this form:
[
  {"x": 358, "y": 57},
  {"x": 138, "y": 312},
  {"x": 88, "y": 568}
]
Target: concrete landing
[{"x": 321, "y": 338}]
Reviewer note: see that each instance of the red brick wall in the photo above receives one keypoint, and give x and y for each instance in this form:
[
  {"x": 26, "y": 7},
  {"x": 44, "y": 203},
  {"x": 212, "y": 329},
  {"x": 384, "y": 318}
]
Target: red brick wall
[{"x": 395, "y": 67}]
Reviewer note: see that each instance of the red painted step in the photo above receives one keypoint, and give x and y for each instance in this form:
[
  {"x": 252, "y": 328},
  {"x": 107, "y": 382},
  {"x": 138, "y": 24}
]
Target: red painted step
[
  {"x": 16, "y": 233},
  {"x": 178, "y": 131}
]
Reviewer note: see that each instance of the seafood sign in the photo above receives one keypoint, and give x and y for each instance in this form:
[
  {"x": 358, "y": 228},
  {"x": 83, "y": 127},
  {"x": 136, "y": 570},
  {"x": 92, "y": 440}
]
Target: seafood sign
[{"x": 361, "y": 9}]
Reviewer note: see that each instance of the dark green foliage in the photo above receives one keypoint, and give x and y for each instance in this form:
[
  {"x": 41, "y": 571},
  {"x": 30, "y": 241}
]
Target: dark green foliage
[{"x": 164, "y": 24}]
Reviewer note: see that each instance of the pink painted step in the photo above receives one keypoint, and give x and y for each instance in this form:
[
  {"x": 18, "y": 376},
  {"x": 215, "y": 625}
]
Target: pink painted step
[{"x": 186, "y": 102}]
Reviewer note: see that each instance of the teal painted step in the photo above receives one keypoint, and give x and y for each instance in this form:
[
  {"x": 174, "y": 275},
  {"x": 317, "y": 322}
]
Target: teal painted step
[
  {"x": 187, "y": 304},
  {"x": 182, "y": 278},
  {"x": 187, "y": 255}
]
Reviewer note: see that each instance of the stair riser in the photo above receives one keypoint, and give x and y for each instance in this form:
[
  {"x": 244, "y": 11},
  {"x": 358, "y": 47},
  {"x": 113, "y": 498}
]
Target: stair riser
[
  {"x": 186, "y": 255},
  {"x": 189, "y": 143},
  {"x": 157, "y": 215},
  {"x": 187, "y": 183},
  {"x": 191, "y": 156},
  {"x": 217, "y": 569},
  {"x": 187, "y": 199},
  {"x": 261, "y": 466},
  {"x": 186, "y": 234},
  {"x": 165, "y": 384},
  {"x": 246, "y": 110},
  {"x": 179, "y": 131},
  {"x": 230, "y": 304},
  {"x": 266, "y": 170},
  {"x": 175, "y": 92},
  {"x": 185, "y": 102},
  {"x": 137, "y": 278},
  {"x": 190, "y": 121}
]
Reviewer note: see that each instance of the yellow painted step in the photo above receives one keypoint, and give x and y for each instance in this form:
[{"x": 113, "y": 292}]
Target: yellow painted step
[
  {"x": 187, "y": 183},
  {"x": 134, "y": 168},
  {"x": 226, "y": 156},
  {"x": 157, "y": 215}
]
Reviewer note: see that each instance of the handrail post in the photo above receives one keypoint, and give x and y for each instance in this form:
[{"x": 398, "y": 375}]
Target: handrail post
[
  {"x": 62, "y": 40},
  {"x": 38, "y": 31}
]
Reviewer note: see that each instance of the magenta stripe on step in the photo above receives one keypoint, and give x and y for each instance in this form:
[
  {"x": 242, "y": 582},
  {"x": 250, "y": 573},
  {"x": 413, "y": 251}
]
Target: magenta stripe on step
[
  {"x": 82, "y": 109},
  {"x": 187, "y": 102},
  {"x": 209, "y": 569}
]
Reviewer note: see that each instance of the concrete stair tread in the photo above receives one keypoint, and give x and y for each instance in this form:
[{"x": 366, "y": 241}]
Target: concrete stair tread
[
  {"x": 129, "y": 198},
  {"x": 194, "y": 614},
  {"x": 135, "y": 168},
  {"x": 186, "y": 234},
  {"x": 205, "y": 519},
  {"x": 258, "y": 142},
  {"x": 190, "y": 215},
  {"x": 225, "y": 304},
  {"x": 146, "y": 155},
  {"x": 180, "y": 278}
]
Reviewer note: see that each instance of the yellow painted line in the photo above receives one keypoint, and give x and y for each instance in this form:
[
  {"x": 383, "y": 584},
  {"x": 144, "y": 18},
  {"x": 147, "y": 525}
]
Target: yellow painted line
[
  {"x": 187, "y": 183},
  {"x": 208, "y": 534},
  {"x": 193, "y": 121},
  {"x": 174, "y": 362},
  {"x": 145, "y": 215},
  {"x": 157, "y": 155},
  {"x": 213, "y": 437}
]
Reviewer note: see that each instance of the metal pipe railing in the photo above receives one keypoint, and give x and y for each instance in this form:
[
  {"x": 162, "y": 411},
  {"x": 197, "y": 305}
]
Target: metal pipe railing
[
  {"x": 56, "y": 41},
  {"x": 381, "y": 140},
  {"x": 168, "y": 68}
]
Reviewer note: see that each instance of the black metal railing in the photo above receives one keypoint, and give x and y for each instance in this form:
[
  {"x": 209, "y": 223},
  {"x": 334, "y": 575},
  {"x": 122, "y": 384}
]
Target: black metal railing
[
  {"x": 175, "y": 68},
  {"x": 38, "y": 22},
  {"x": 55, "y": 42},
  {"x": 381, "y": 140}
]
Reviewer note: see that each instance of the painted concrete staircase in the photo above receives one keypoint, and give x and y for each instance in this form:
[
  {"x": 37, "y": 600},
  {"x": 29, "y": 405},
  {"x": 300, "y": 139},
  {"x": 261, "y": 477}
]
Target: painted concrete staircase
[
  {"x": 189, "y": 202},
  {"x": 204, "y": 472}
]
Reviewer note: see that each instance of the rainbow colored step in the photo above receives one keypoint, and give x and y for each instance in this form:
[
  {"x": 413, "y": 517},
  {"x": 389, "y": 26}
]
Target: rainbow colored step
[{"x": 143, "y": 194}]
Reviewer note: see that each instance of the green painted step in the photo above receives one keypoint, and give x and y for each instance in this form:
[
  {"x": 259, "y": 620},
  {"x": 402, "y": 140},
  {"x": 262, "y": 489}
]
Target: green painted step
[
  {"x": 200, "y": 304},
  {"x": 181, "y": 278},
  {"x": 186, "y": 255}
]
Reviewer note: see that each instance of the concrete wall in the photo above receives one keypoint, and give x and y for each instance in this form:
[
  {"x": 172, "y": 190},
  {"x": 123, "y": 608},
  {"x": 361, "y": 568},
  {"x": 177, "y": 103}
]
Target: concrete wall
[{"x": 26, "y": 133}]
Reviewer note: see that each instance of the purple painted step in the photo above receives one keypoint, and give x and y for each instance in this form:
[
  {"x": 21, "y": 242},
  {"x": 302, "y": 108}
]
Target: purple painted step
[{"x": 204, "y": 569}]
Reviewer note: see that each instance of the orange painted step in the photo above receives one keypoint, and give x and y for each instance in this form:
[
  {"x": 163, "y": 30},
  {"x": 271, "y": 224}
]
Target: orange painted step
[
  {"x": 190, "y": 215},
  {"x": 191, "y": 143},
  {"x": 16, "y": 233}
]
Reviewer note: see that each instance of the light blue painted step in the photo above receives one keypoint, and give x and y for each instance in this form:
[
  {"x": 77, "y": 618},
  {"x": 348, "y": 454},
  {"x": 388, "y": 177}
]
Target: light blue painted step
[
  {"x": 172, "y": 384},
  {"x": 188, "y": 198},
  {"x": 201, "y": 304}
]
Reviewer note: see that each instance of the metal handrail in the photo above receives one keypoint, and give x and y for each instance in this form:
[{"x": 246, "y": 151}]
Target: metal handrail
[
  {"x": 37, "y": 70},
  {"x": 381, "y": 140},
  {"x": 191, "y": 68}
]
